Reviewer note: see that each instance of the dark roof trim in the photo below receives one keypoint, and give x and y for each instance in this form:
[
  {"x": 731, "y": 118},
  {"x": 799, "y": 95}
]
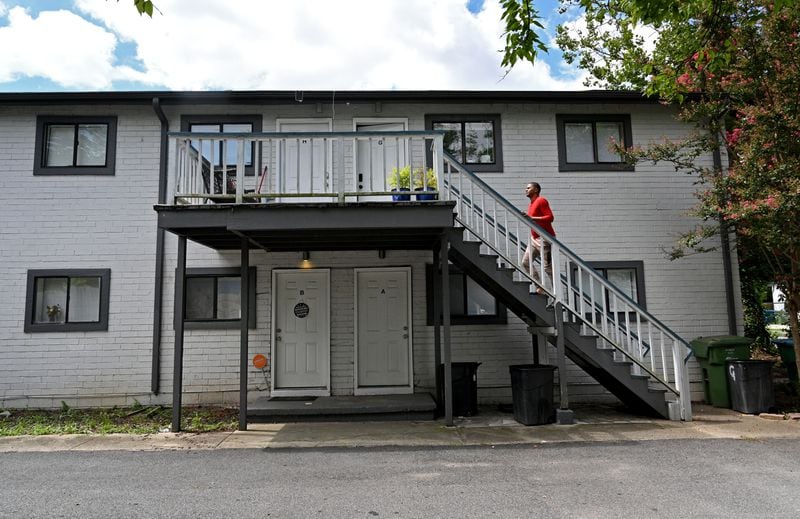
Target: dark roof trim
[{"x": 322, "y": 96}]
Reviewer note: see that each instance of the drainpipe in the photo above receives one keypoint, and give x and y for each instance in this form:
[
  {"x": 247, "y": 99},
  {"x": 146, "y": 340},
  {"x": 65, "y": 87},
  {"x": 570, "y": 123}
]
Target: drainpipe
[
  {"x": 726, "y": 252},
  {"x": 158, "y": 289}
]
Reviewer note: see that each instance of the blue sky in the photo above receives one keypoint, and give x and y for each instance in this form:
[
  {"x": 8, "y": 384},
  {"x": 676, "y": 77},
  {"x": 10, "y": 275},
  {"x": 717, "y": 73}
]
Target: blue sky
[{"x": 68, "y": 45}]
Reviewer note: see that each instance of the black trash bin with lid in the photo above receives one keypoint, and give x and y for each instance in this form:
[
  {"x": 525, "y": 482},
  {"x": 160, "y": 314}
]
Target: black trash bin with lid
[
  {"x": 465, "y": 388},
  {"x": 750, "y": 384},
  {"x": 532, "y": 393}
]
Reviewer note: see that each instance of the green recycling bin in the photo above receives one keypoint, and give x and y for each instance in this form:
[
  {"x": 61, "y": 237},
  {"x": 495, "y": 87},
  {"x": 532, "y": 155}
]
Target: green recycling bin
[
  {"x": 788, "y": 357},
  {"x": 712, "y": 353}
]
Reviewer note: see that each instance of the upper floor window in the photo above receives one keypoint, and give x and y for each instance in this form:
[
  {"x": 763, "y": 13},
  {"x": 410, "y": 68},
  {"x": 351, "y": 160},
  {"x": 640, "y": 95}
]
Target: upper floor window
[
  {"x": 67, "y": 300},
  {"x": 224, "y": 150},
  {"x": 627, "y": 276},
  {"x": 73, "y": 145},
  {"x": 585, "y": 142},
  {"x": 214, "y": 298},
  {"x": 470, "y": 303},
  {"x": 474, "y": 140}
]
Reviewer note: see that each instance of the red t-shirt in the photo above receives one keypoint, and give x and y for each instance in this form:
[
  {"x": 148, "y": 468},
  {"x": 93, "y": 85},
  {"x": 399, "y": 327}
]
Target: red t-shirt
[{"x": 540, "y": 207}]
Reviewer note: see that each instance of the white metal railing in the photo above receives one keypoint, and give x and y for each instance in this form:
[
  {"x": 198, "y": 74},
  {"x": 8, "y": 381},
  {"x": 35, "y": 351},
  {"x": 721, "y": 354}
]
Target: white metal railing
[
  {"x": 587, "y": 297},
  {"x": 302, "y": 167}
]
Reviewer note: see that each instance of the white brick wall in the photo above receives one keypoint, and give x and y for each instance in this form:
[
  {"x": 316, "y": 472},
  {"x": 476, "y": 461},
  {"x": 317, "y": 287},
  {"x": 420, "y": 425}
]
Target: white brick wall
[
  {"x": 78, "y": 222},
  {"x": 108, "y": 222}
]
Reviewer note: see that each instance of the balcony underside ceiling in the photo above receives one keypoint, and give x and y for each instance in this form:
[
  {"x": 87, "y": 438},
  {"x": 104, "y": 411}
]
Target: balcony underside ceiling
[{"x": 312, "y": 226}]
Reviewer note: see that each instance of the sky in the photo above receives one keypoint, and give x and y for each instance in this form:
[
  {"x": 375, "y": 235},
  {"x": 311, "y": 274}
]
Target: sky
[{"x": 105, "y": 45}]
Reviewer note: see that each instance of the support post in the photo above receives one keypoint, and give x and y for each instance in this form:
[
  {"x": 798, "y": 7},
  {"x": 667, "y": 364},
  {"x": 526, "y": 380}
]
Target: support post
[
  {"x": 564, "y": 415},
  {"x": 180, "y": 307},
  {"x": 437, "y": 329},
  {"x": 244, "y": 337},
  {"x": 448, "y": 369}
]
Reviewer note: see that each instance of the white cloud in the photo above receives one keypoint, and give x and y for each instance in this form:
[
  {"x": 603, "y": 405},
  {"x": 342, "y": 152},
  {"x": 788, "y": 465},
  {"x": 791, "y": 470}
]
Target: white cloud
[
  {"x": 252, "y": 44},
  {"x": 3, "y": 9},
  {"x": 61, "y": 46}
]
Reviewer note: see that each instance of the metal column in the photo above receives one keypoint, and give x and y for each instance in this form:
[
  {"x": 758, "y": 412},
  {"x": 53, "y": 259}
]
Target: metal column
[
  {"x": 244, "y": 337},
  {"x": 448, "y": 371},
  {"x": 180, "y": 307}
]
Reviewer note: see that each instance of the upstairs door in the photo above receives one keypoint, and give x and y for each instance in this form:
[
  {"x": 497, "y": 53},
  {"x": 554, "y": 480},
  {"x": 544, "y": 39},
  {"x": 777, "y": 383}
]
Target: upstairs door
[
  {"x": 383, "y": 331},
  {"x": 376, "y": 157},
  {"x": 304, "y": 164},
  {"x": 301, "y": 332}
]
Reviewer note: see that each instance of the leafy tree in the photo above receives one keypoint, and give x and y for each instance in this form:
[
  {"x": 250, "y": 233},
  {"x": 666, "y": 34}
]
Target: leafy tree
[{"x": 734, "y": 69}]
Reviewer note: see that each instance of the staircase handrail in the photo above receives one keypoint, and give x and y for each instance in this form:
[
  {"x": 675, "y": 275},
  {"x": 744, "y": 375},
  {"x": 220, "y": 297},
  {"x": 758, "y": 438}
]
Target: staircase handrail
[{"x": 449, "y": 189}]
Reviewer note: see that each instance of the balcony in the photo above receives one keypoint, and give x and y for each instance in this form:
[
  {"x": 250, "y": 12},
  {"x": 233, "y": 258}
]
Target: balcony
[
  {"x": 338, "y": 167},
  {"x": 307, "y": 191}
]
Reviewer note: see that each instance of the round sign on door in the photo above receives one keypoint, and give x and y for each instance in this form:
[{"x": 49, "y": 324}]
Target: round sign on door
[{"x": 301, "y": 310}]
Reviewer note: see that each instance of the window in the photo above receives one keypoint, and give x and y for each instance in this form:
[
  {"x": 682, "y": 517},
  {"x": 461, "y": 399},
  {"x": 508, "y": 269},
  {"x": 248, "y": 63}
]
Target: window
[
  {"x": 73, "y": 300},
  {"x": 627, "y": 276},
  {"x": 213, "y": 298},
  {"x": 584, "y": 141},
  {"x": 75, "y": 145},
  {"x": 470, "y": 303},
  {"x": 227, "y": 149},
  {"x": 474, "y": 140}
]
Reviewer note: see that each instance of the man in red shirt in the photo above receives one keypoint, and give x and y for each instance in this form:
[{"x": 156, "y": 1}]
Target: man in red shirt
[{"x": 539, "y": 211}]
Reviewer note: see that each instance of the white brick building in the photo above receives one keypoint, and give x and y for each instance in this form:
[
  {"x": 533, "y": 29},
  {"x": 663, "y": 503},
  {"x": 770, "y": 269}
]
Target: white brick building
[{"x": 72, "y": 219}]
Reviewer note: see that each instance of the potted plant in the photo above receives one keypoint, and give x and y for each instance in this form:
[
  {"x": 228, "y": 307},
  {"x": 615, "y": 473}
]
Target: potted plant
[
  {"x": 53, "y": 313},
  {"x": 400, "y": 180},
  {"x": 425, "y": 180}
]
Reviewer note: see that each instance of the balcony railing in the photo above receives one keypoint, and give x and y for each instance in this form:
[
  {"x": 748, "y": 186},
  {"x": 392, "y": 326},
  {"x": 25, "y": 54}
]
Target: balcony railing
[{"x": 304, "y": 167}]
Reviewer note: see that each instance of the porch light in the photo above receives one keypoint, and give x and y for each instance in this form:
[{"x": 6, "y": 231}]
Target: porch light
[
  {"x": 306, "y": 262},
  {"x": 381, "y": 253}
]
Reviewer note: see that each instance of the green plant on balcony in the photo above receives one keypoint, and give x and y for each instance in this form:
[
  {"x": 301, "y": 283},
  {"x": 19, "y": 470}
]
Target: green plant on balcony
[
  {"x": 425, "y": 179},
  {"x": 400, "y": 178}
]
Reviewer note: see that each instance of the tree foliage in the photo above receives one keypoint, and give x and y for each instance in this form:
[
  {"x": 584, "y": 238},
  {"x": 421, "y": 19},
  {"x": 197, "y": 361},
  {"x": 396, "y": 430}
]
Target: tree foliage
[
  {"x": 144, "y": 7},
  {"x": 734, "y": 69}
]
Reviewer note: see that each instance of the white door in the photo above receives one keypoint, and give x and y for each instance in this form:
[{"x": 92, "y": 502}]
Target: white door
[
  {"x": 383, "y": 331},
  {"x": 301, "y": 332},
  {"x": 304, "y": 164},
  {"x": 376, "y": 157}
]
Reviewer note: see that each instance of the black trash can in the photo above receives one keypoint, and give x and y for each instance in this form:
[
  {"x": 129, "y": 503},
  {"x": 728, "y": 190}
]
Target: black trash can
[
  {"x": 465, "y": 388},
  {"x": 750, "y": 384},
  {"x": 532, "y": 393}
]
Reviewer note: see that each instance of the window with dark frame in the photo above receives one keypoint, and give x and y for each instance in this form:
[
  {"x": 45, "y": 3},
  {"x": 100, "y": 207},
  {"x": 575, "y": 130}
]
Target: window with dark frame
[
  {"x": 470, "y": 303},
  {"x": 585, "y": 142},
  {"x": 75, "y": 145},
  {"x": 474, "y": 140},
  {"x": 213, "y": 298},
  {"x": 65, "y": 300},
  {"x": 627, "y": 276},
  {"x": 227, "y": 149}
]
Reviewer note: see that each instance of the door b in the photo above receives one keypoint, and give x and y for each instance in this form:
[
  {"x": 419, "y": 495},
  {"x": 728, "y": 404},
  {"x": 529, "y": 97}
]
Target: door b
[{"x": 301, "y": 331}]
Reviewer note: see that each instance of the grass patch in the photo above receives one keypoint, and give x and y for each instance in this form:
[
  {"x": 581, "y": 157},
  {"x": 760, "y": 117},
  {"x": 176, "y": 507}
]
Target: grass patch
[{"x": 131, "y": 420}]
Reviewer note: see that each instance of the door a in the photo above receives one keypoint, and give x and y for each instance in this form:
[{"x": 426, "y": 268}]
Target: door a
[
  {"x": 376, "y": 157},
  {"x": 304, "y": 163},
  {"x": 301, "y": 332},
  {"x": 383, "y": 331}
]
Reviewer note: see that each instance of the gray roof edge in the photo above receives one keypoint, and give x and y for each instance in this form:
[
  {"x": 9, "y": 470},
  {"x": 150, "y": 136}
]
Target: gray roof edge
[{"x": 318, "y": 96}]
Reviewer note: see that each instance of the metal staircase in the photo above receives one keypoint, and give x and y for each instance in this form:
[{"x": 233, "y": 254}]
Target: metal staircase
[{"x": 618, "y": 343}]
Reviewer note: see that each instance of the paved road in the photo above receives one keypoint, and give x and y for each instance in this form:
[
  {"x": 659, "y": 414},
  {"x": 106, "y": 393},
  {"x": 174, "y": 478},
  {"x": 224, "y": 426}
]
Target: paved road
[{"x": 686, "y": 478}]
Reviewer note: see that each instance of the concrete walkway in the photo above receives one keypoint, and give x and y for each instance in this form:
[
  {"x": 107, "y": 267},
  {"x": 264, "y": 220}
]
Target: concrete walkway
[{"x": 596, "y": 424}]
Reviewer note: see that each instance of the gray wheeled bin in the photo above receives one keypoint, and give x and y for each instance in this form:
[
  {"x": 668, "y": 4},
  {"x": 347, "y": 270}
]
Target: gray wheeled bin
[{"x": 750, "y": 385}]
